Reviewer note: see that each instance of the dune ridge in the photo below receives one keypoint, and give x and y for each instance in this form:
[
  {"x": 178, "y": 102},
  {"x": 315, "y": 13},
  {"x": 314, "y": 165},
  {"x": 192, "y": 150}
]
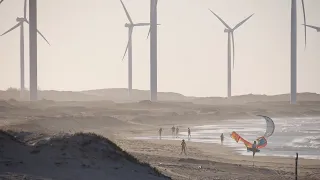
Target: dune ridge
[{"x": 73, "y": 156}]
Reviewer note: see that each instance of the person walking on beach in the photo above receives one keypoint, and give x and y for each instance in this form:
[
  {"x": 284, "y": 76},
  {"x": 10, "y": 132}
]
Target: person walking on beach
[
  {"x": 177, "y": 131},
  {"x": 189, "y": 133},
  {"x": 254, "y": 149},
  {"x": 222, "y": 138},
  {"x": 160, "y": 132},
  {"x": 183, "y": 147},
  {"x": 173, "y": 130}
]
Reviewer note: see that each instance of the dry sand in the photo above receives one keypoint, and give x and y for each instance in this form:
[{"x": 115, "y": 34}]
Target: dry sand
[
  {"x": 120, "y": 122},
  {"x": 80, "y": 156}
]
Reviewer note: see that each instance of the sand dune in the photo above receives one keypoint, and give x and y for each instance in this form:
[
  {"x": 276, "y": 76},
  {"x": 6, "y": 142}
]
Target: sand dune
[{"x": 78, "y": 156}]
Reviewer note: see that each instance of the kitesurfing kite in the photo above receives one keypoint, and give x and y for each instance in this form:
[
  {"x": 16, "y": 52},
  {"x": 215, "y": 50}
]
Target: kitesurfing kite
[{"x": 261, "y": 141}]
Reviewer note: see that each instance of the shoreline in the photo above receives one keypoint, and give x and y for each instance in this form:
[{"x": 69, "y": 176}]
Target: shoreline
[
  {"x": 237, "y": 150},
  {"x": 272, "y": 151},
  {"x": 205, "y": 154}
]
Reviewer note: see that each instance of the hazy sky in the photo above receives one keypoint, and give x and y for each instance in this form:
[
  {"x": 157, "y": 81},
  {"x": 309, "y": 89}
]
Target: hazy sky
[{"x": 88, "y": 40}]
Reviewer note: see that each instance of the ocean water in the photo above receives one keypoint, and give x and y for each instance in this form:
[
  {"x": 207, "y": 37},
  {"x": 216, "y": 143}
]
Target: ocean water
[{"x": 291, "y": 136}]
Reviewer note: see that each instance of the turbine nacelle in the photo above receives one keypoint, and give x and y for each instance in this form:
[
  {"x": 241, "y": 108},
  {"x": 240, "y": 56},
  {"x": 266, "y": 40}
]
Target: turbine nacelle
[
  {"x": 127, "y": 25},
  {"x": 20, "y": 19},
  {"x": 137, "y": 24},
  {"x": 227, "y": 30}
]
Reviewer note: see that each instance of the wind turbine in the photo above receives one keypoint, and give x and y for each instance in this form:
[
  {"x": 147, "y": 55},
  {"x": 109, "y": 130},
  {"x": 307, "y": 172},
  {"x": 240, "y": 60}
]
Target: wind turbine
[
  {"x": 130, "y": 27},
  {"x": 293, "y": 89},
  {"x": 230, "y": 31},
  {"x": 153, "y": 50},
  {"x": 21, "y": 21},
  {"x": 313, "y": 27}
]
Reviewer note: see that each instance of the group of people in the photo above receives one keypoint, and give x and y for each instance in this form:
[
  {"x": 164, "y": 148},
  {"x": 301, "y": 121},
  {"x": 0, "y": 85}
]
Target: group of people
[{"x": 175, "y": 132}]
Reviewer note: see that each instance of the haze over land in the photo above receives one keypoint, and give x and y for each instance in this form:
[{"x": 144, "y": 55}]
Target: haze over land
[
  {"x": 120, "y": 95},
  {"x": 89, "y": 39},
  {"x": 45, "y": 122}
]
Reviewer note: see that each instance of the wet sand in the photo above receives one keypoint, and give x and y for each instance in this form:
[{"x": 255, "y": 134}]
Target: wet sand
[
  {"x": 215, "y": 160},
  {"x": 291, "y": 135},
  {"x": 121, "y": 122}
]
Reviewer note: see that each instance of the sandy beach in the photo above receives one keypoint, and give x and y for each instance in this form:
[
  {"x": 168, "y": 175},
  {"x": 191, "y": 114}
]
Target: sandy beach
[
  {"x": 209, "y": 161},
  {"x": 120, "y": 122}
]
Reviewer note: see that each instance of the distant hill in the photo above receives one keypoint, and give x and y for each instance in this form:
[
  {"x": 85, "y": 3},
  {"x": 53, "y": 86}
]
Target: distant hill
[
  {"x": 251, "y": 98},
  {"x": 121, "y": 95},
  {"x": 117, "y": 95}
]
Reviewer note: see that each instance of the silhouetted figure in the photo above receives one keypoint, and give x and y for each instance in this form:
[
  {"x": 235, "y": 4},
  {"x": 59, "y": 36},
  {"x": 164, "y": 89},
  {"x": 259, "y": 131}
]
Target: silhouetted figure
[
  {"x": 177, "y": 131},
  {"x": 183, "y": 147},
  {"x": 173, "y": 129},
  {"x": 222, "y": 138},
  {"x": 160, "y": 132},
  {"x": 254, "y": 150},
  {"x": 189, "y": 133}
]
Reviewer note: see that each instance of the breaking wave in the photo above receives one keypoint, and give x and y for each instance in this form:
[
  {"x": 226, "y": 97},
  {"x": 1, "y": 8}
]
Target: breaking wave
[{"x": 307, "y": 142}]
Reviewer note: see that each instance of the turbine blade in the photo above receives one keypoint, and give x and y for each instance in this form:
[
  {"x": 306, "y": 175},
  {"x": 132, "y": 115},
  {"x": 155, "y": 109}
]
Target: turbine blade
[
  {"x": 225, "y": 24},
  {"x": 152, "y": 10},
  {"x": 39, "y": 33},
  {"x": 155, "y": 7},
  {"x": 43, "y": 37},
  {"x": 130, "y": 38},
  {"x": 149, "y": 33},
  {"x": 25, "y": 9},
  {"x": 239, "y": 24},
  {"x": 142, "y": 24},
  {"x": 232, "y": 36},
  {"x": 313, "y": 27},
  {"x": 304, "y": 20},
  {"x": 127, "y": 13},
  {"x": 125, "y": 52},
  {"x": 11, "y": 29}
]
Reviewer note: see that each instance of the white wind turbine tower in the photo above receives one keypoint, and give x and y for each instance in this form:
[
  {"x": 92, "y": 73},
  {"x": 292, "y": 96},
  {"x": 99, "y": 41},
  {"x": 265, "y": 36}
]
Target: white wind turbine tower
[
  {"x": 21, "y": 21},
  {"x": 230, "y": 31},
  {"x": 313, "y": 27},
  {"x": 130, "y": 27},
  {"x": 293, "y": 89},
  {"x": 153, "y": 50},
  {"x": 33, "y": 50}
]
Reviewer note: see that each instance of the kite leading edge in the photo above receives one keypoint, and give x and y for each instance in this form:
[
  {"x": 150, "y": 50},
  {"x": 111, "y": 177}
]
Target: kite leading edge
[{"x": 261, "y": 141}]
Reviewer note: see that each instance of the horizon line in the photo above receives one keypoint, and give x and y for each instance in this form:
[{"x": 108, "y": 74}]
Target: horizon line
[{"x": 191, "y": 96}]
